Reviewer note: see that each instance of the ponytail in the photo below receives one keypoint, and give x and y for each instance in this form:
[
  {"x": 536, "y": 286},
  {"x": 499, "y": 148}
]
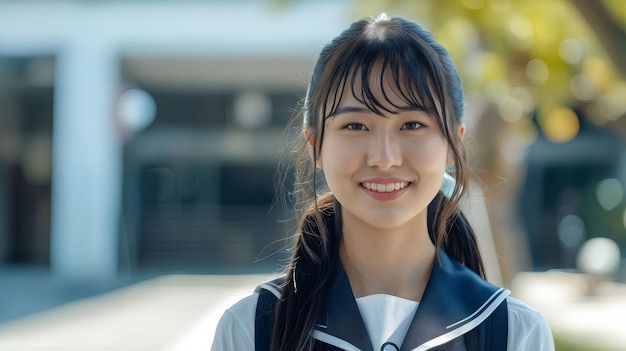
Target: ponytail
[
  {"x": 308, "y": 277},
  {"x": 316, "y": 256},
  {"x": 454, "y": 234}
]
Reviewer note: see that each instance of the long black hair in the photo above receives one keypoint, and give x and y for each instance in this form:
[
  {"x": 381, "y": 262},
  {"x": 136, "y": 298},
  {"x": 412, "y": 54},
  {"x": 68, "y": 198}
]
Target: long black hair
[{"x": 423, "y": 75}]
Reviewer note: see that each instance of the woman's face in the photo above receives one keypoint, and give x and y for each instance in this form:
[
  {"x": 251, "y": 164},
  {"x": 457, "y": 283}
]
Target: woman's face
[{"x": 383, "y": 170}]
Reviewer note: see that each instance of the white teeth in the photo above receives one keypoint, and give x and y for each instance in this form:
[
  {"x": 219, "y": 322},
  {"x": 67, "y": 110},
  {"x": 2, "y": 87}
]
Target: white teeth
[{"x": 385, "y": 188}]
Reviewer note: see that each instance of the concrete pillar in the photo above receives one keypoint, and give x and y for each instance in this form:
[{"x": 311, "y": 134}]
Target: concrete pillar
[{"x": 87, "y": 162}]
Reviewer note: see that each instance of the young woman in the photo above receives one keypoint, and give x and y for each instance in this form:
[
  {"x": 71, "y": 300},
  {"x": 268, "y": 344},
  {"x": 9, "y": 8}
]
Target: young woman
[{"x": 384, "y": 260}]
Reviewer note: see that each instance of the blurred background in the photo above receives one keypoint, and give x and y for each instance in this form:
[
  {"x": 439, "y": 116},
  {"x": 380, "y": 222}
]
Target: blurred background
[{"x": 140, "y": 142}]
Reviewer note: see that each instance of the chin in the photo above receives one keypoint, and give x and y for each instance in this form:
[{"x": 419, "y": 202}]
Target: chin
[{"x": 387, "y": 222}]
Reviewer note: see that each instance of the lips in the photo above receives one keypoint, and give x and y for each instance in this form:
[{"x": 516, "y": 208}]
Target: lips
[{"x": 385, "y": 187}]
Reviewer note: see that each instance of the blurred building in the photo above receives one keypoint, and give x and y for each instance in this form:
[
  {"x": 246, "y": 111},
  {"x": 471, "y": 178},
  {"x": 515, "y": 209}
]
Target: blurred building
[
  {"x": 573, "y": 192},
  {"x": 146, "y": 135}
]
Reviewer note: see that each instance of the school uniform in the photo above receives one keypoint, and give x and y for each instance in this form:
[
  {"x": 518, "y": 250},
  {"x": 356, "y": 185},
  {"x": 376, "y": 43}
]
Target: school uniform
[{"x": 455, "y": 304}]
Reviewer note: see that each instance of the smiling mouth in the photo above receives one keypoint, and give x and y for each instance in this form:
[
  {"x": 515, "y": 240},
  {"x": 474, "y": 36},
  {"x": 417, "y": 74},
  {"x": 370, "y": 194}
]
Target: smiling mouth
[{"x": 385, "y": 188}]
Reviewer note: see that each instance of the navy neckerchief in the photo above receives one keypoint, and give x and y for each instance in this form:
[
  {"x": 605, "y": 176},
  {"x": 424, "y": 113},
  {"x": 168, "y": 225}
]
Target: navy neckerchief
[{"x": 456, "y": 300}]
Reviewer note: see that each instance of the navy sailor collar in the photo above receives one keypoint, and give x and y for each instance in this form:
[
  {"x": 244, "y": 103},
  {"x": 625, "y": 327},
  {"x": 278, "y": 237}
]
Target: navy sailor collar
[{"x": 455, "y": 301}]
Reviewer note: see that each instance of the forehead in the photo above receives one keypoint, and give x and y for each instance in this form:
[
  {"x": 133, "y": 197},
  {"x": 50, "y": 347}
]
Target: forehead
[
  {"x": 378, "y": 84},
  {"x": 383, "y": 88}
]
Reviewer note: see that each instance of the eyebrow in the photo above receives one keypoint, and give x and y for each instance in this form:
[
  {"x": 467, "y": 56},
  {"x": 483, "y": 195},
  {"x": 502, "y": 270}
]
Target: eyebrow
[{"x": 360, "y": 109}]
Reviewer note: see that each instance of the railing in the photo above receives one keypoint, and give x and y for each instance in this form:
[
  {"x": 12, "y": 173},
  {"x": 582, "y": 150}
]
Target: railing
[{"x": 211, "y": 237}]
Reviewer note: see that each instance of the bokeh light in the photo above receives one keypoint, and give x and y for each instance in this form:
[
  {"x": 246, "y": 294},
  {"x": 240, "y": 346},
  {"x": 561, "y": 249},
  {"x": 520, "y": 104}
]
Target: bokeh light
[
  {"x": 526, "y": 97},
  {"x": 598, "y": 70},
  {"x": 137, "y": 110},
  {"x": 496, "y": 91},
  {"x": 521, "y": 30},
  {"x": 609, "y": 193},
  {"x": 599, "y": 256},
  {"x": 537, "y": 71},
  {"x": 571, "y": 51},
  {"x": 582, "y": 87},
  {"x": 571, "y": 231},
  {"x": 616, "y": 102},
  {"x": 252, "y": 110},
  {"x": 510, "y": 109},
  {"x": 560, "y": 125}
]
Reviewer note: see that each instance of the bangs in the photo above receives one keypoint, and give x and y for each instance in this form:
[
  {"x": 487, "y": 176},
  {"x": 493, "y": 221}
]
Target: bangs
[{"x": 379, "y": 72}]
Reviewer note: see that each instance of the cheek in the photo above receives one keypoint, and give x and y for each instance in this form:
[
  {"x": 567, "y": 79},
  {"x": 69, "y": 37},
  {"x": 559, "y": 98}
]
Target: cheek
[
  {"x": 338, "y": 154},
  {"x": 430, "y": 154}
]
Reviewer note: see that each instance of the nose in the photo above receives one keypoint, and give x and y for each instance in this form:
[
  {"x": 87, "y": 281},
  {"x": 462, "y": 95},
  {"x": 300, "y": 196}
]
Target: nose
[{"x": 384, "y": 151}]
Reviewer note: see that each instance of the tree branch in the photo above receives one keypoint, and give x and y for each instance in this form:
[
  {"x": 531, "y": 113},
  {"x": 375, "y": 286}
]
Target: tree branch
[{"x": 610, "y": 35}]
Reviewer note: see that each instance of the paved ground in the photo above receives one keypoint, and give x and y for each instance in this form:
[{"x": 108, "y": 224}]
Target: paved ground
[
  {"x": 180, "y": 312},
  {"x": 25, "y": 290},
  {"x": 173, "y": 312},
  {"x": 588, "y": 313}
]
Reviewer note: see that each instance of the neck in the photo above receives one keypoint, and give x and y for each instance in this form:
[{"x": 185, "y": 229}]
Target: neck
[{"x": 395, "y": 261}]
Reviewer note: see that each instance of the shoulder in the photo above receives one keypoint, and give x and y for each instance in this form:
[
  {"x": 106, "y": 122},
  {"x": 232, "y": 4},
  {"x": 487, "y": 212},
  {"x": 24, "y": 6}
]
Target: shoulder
[
  {"x": 235, "y": 330},
  {"x": 528, "y": 330},
  {"x": 244, "y": 308}
]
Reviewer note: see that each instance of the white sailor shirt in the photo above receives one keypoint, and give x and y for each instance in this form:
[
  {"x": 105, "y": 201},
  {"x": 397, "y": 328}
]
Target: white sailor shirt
[{"x": 455, "y": 301}]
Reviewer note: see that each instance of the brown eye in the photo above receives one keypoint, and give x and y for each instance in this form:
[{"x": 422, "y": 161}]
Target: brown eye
[
  {"x": 355, "y": 126},
  {"x": 411, "y": 125}
]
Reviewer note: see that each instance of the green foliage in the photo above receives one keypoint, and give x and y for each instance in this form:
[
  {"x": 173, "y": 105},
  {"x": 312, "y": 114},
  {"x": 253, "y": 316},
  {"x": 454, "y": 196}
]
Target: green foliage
[
  {"x": 535, "y": 47},
  {"x": 563, "y": 343}
]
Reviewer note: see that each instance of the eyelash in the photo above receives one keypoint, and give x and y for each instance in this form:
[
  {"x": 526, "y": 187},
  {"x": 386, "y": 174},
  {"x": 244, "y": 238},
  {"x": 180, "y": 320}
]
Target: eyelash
[
  {"x": 360, "y": 126},
  {"x": 351, "y": 126},
  {"x": 418, "y": 125}
]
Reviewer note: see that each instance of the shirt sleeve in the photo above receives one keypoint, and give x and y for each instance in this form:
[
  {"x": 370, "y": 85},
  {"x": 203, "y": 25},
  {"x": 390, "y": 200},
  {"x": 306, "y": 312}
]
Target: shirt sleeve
[
  {"x": 528, "y": 330},
  {"x": 235, "y": 330}
]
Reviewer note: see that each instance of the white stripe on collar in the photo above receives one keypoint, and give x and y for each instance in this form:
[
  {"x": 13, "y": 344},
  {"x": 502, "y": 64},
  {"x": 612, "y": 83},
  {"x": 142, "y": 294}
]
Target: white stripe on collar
[
  {"x": 333, "y": 340},
  {"x": 478, "y": 316},
  {"x": 273, "y": 288},
  {"x": 493, "y": 302},
  {"x": 480, "y": 309}
]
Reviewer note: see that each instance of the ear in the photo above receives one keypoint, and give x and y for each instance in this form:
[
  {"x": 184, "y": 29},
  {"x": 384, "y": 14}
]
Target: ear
[{"x": 310, "y": 145}]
